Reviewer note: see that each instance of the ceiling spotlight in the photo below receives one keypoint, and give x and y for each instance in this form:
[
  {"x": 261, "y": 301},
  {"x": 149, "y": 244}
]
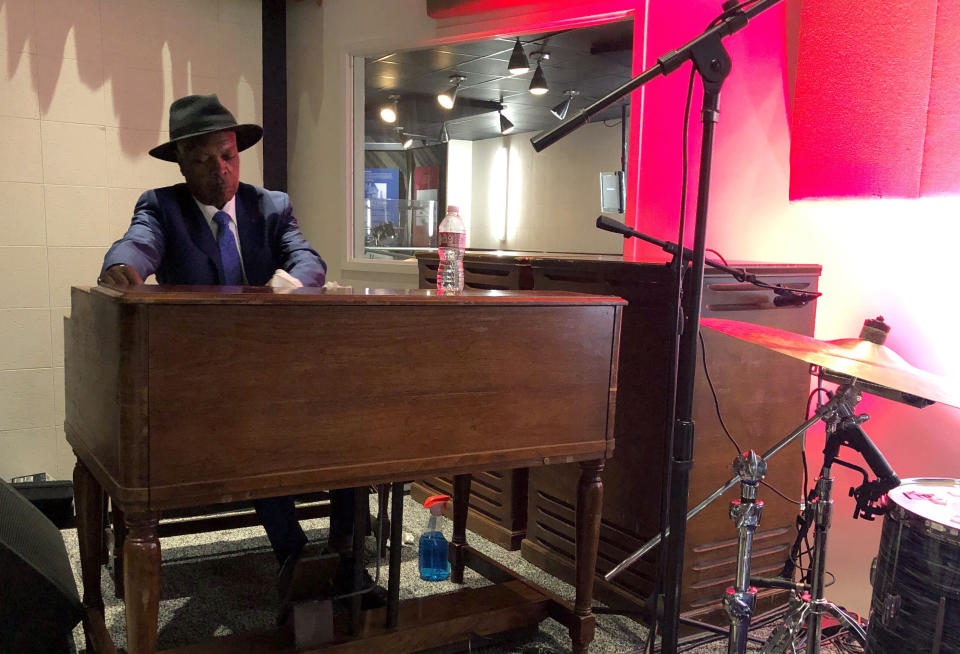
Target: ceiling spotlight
[
  {"x": 560, "y": 111},
  {"x": 448, "y": 97},
  {"x": 505, "y": 125},
  {"x": 407, "y": 141},
  {"x": 538, "y": 85},
  {"x": 389, "y": 111},
  {"x": 519, "y": 64}
]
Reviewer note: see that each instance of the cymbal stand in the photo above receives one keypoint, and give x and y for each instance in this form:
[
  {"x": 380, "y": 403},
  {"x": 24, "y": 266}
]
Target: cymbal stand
[
  {"x": 745, "y": 513},
  {"x": 740, "y": 601},
  {"x": 842, "y": 428},
  {"x": 807, "y": 606},
  {"x": 707, "y": 501}
]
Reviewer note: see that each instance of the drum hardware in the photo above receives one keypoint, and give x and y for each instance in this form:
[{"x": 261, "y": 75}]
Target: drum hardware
[
  {"x": 807, "y": 606},
  {"x": 807, "y": 609},
  {"x": 858, "y": 365},
  {"x": 916, "y": 576}
]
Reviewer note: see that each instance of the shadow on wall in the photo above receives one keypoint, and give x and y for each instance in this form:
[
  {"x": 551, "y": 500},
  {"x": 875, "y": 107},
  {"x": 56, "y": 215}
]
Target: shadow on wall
[
  {"x": 305, "y": 71},
  {"x": 144, "y": 55}
]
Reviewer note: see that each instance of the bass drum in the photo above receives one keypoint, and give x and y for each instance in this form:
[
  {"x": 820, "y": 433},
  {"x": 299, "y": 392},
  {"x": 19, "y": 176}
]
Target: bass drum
[{"x": 916, "y": 575}]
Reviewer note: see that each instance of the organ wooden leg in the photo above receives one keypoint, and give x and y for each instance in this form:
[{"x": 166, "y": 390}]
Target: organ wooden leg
[
  {"x": 461, "y": 505},
  {"x": 89, "y": 505},
  {"x": 119, "y": 534},
  {"x": 396, "y": 550},
  {"x": 141, "y": 577},
  {"x": 589, "y": 509}
]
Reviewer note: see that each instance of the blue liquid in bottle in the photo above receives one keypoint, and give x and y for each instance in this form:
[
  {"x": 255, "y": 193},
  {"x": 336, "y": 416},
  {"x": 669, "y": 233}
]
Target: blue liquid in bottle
[{"x": 434, "y": 564}]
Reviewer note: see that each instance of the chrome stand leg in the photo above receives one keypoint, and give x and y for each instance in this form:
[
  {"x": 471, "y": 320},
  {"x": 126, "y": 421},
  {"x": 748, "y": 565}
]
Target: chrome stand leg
[
  {"x": 823, "y": 514},
  {"x": 740, "y": 601}
]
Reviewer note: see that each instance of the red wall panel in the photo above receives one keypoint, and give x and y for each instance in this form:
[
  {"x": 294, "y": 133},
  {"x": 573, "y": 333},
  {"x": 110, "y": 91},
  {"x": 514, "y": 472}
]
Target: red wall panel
[
  {"x": 941, "y": 165},
  {"x": 863, "y": 90}
]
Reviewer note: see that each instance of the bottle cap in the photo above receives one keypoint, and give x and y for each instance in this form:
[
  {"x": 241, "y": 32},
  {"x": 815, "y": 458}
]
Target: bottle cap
[{"x": 452, "y": 208}]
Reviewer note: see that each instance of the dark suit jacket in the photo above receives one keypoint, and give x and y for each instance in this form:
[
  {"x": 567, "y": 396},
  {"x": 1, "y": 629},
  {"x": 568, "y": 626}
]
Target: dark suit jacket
[{"x": 170, "y": 237}]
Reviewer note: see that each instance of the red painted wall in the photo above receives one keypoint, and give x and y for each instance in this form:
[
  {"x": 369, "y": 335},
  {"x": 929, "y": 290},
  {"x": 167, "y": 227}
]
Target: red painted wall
[
  {"x": 890, "y": 257},
  {"x": 861, "y": 98},
  {"x": 875, "y": 111}
]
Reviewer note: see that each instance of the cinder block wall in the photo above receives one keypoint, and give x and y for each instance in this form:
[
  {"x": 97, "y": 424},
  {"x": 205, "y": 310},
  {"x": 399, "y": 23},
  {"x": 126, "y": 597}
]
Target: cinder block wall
[{"x": 84, "y": 91}]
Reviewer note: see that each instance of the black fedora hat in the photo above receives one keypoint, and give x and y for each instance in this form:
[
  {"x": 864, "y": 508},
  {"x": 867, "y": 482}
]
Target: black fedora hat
[{"x": 194, "y": 115}]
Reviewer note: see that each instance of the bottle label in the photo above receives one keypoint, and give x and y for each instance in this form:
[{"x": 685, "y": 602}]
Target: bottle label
[{"x": 452, "y": 240}]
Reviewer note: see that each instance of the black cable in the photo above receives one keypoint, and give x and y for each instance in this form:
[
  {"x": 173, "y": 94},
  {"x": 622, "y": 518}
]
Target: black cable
[
  {"x": 718, "y": 255},
  {"x": 723, "y": 425},
  {"x": 819, "y": 390},
  {"x": 685, "y": 164},
  {"x": 771, "y": 487},
  {"x": 716, "y": 402}
]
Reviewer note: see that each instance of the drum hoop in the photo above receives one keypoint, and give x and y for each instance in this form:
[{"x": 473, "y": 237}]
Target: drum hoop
[{"x": 933, "y": 528}]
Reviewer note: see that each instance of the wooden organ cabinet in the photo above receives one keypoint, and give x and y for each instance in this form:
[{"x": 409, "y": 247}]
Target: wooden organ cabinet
[{"x": 762, "y": 397}]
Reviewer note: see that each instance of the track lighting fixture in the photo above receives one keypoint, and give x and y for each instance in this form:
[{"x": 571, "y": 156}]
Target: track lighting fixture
[
  {"x": 538, "y": 85},
  {"x": 505, "y": 125},
  {"x": 560, "y": 111},
  {"x": 390, "y": 111},
  {"x": 449, "y": 97},
  {"x": 519, "y": 64},
  {"x": 403, "y": 138}
]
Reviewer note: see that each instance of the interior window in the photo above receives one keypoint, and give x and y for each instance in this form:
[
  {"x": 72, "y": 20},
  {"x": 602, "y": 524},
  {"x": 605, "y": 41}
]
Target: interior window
[{"x": 471, "y": 147}]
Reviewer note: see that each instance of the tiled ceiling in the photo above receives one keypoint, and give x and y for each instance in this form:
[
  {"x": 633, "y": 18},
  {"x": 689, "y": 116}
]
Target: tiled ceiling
[{"x": 593, "y": 61}]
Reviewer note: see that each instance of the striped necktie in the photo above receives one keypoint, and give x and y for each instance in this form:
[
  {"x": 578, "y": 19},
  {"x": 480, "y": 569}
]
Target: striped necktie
[{"x": 229, "y": 255}]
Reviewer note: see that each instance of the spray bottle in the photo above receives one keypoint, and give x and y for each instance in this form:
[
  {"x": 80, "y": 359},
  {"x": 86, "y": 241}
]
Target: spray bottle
[{"x": 434, "y": 557}]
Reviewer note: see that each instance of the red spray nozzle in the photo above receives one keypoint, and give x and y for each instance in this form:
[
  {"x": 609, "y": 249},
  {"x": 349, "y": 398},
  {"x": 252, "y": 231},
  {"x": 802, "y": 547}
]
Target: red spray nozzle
[{"x": 437, "y": 499}]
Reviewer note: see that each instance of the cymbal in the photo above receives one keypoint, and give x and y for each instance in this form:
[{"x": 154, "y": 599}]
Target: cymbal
[{"x": 853, "y": 358}]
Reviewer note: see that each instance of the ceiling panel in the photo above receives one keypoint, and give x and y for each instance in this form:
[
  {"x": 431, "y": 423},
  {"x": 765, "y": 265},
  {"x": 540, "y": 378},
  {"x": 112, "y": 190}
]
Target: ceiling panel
[{"x": 594, "y": 60}]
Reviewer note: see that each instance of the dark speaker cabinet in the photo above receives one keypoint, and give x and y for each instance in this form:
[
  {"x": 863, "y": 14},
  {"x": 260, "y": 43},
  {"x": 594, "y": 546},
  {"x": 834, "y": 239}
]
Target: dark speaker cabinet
[{"x": 762, "y": 397}]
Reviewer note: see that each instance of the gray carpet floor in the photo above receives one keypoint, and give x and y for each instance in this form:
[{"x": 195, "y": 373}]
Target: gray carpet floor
[{"x": 224, "y": 582}]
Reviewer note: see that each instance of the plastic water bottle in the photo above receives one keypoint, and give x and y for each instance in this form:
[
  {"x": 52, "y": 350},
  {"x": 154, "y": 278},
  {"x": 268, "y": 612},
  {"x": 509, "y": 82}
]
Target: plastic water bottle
[
  {"x": 451, "y": 244},
  {"x": 434, "y": 558}
]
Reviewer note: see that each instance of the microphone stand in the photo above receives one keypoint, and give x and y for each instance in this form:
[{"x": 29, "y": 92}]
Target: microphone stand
[
  {"x": 783, "y": 296},
  {"x": 713, "y": 65}
]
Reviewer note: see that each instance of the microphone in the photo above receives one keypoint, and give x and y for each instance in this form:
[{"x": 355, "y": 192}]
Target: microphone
[
  {"x": 610, "y": 225},
  {"x": 787, "y": 297}
]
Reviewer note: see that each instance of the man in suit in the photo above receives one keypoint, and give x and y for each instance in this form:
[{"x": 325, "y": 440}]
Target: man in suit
[{"x": 214, "y": 230}]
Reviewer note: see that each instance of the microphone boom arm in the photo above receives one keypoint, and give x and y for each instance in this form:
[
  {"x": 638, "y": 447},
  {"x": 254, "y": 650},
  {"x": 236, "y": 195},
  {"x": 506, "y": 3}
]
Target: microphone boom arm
[{"x": 784, "y": 296}]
